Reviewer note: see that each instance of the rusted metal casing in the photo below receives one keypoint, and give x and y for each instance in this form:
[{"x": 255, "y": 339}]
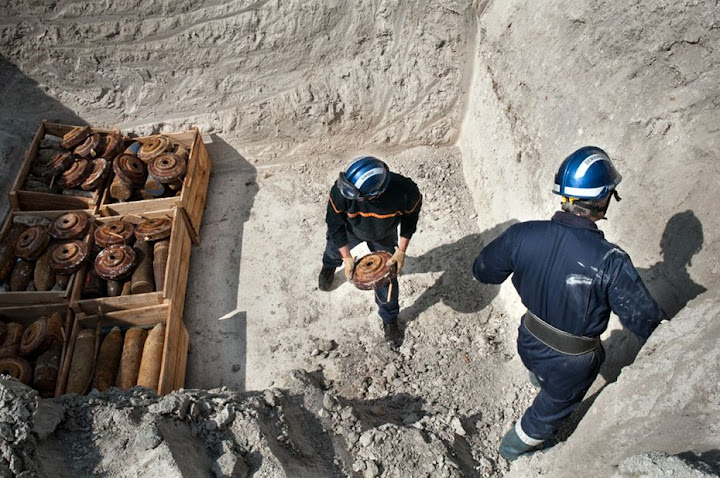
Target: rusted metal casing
[
  {"x": 149, "y": 374},
  {"x": 108, "y": 360},
  {"x": 131, "y": 356}
]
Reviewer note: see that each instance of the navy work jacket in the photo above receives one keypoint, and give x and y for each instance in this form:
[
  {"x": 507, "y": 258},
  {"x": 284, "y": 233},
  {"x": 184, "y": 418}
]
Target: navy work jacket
[{"x": 568, "y": 275}]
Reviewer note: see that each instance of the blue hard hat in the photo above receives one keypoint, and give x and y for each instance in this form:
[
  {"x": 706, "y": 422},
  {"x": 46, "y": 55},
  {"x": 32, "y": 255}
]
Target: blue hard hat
[
  {"x": 588, "y": 173},
  {"x": 366, "y": 177}
]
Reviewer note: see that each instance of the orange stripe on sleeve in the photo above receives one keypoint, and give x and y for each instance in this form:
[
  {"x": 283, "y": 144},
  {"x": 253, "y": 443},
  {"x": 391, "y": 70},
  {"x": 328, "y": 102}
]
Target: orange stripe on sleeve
[{"x": 337, "y": 211}]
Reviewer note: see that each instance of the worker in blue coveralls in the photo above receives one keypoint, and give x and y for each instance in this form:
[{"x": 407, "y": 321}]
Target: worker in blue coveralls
[
  {"x": 367, "y": 203},
  {"x": 569, "y": 278}
]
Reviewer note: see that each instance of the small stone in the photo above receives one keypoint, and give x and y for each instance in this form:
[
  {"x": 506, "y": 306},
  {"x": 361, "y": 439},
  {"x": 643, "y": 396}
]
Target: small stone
[
  {"x": 183, "y": 407},
  {"x": 194, "y": 410},
  {"x": 358, "y": 466},
  {"x": 236, "y": 367},
  {"x": 315, "y": 352},
  {"x": 371, "y": 470},
  {"x": 47, "y": 417},
  {"x": 329, "y": 402},
  {"x": 366, "y": 438},
  {"x": 230, "y": 465},
  {"x": 325, "y": 345},
  {"x": 225, "y": 417},
  {"x": 269, "y": 398},
  {"x": 148, "y": 438},
  {"x": 457, "y": 427}
]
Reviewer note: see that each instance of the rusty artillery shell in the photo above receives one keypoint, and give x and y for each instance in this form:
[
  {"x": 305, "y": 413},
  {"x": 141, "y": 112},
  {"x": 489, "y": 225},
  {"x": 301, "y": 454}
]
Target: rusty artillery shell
[
  {"x": 44, "y": 275},
  {"x": 54, "y": 329},
  {"x": 153, "y": 187},
  {"x": 33, "y": 337},
  {"x": 142, "y": 278},
  {"x": 7, "y": 254},
  {"x": 160, "y": 257},
  {"x": 149, "y": 375},
  {"x": 114, "y": 288},
  {"x": 16, "y": 367},
  {"x": 62, "y": 280},
  {"x": 108, "y": 360},
  {"x": 120, "y": 190},
  {"x": 126, "y": 288},
  {"x": 11, "y": 344},
  {"x": 94, "y": 286},
  {"x": 75, "y": 136},
  {"x": 46, "y": 368},
  {"x": 132, "y": 351},
  {"x": 82, "y": 363},
  {"x": 21, "y": 275}
]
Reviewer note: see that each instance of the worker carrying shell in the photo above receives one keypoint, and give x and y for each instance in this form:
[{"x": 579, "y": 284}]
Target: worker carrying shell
[
  {"x": 569, "y": 278},
  {"x": 366, "y": 204}
]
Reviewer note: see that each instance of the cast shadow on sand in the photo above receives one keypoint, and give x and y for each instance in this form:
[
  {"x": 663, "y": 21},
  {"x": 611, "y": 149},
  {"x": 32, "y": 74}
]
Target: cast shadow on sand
[
  {"x": 672, "y": 287},
  {"x": 212, "y": 314},
  {"x": 456, "y": 286}
]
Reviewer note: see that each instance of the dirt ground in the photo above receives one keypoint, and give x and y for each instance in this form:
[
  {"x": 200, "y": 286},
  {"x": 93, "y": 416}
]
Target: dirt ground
[{"x": 478, "y": 102}]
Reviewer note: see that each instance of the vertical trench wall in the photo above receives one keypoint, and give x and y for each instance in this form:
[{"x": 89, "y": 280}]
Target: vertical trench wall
[{"x": 639, "y": 79}]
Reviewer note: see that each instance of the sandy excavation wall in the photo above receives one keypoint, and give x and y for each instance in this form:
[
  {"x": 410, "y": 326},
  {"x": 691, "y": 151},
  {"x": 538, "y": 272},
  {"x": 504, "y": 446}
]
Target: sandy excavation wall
[
  {"x": 278, "y": 74},
  {"x": 640, "y": 79}
]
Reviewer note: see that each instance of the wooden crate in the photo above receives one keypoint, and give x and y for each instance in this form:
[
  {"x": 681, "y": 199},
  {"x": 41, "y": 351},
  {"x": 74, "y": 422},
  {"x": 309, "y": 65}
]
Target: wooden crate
[
  {"x": 9, "y": 299},
  {"x": 192, "y": 195},
  {"x": 39, "y": 201},
  {"x": 175, "y": 348},
  {"x": 176, "y": 273},
  {"x": 26, "y": 315}
]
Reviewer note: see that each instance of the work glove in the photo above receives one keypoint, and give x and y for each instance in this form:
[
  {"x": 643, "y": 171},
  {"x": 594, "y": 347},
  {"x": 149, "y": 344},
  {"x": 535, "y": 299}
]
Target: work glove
[
  {"x": 397, "y": 258},
  {"x": 349, "y": 265}
]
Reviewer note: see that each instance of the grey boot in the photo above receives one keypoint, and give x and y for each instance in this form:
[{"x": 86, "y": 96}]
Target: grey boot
[{"x": 512, "y": 446}]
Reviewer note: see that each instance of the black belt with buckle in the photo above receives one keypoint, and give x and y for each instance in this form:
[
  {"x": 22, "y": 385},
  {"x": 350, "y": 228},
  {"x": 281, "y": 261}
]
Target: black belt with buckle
[{"x": 557, "y": 339}]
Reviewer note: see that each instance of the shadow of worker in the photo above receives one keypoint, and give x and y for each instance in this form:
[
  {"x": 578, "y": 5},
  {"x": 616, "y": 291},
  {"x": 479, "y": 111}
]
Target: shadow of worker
[
  {"x": 456, "y": 287},
  {"x": 669, "y": 283}
]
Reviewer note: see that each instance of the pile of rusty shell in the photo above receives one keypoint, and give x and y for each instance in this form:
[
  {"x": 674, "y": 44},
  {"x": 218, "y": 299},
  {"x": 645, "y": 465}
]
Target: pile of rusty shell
[
  {"x": 120, "y": 190},
  {"x": 115, "y": 232},
  {"x": 142, "y": 278},
  {"x": 33, "y": 337},
  {"x": 114, "y": 143},
  {"x": 160, "y": 257},
  {"x": 67, "y": 257},
  {"x": 132, "y": 350},
  {"x": 58, "y": 164},
  {"x": 153, "y": 229},
  {"x": 76, "y": 174},
  {"x": 47, "y": 367},
  {"x": 11, "y": 344},
  {"x": 71, "y": 225},
  {"x": 82, "y": 362},
  {"x": 100, "y": 168},
  {"x": 149, "y": 374},
  {"x": 108, "y": 360},
  {"x": 7, "y": 249},
  {"x": 91, "y": 147},
  {"x": 32, "y": 243},
  {"x": 17, "y": 368},
  {"x": 130, "y": 170},
  {"x": 21, "y": 275},
  {"x": 115, "y": 262},
  {"x": 154, "y": 148},
  {"x": 44, "y": 275},
  {"x": 75, "y": 136},
  {"x": 167, "y": 168}
]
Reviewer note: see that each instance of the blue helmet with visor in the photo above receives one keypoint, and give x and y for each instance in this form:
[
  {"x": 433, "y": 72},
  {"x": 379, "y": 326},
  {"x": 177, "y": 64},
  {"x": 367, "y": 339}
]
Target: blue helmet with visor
[
  {"x": 587, "y": 174},
  {"x": 366, "y": 177}
]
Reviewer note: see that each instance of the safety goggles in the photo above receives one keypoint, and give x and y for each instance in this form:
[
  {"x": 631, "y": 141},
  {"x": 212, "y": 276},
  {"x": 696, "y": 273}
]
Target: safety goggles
[{"x": 349, "y": 191}]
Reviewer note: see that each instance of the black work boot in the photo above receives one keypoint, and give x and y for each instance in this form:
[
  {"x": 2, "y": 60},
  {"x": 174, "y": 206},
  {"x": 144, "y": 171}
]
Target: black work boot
[
  {"x": 392, "y": 334},
  {"x": 325, "y": 279}
]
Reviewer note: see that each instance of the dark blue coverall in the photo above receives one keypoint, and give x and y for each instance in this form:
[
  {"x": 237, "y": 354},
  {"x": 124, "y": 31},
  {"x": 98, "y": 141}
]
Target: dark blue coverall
[
  {"x": 569, "y": 276},
  {"x": 375, "y": 221}
]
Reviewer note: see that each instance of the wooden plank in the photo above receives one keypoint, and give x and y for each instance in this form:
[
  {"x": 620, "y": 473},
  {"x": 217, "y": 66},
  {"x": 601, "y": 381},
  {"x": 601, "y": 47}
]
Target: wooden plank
[
  {"x": 194, "y": 238},
  {"x": 199, "y": 179},
  {"x": 65, "y": 364},
  {"x": 176, "y": 274}
]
